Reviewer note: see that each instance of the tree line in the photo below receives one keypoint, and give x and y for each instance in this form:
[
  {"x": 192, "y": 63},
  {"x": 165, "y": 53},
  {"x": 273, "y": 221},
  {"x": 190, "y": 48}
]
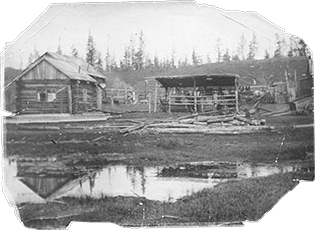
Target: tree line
[{"x": 136, "y": 59}]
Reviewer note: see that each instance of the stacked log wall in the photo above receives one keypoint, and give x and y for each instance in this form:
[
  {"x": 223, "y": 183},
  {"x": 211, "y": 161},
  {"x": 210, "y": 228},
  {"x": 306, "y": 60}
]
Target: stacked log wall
[
  {"x": 27, "y": 96},
  {"x": 79, "y": 105}
]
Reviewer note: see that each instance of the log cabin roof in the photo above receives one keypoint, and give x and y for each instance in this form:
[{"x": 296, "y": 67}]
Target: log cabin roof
[
  {"x": 73, "y": 68},
  {"x": 201, "y": 80}
]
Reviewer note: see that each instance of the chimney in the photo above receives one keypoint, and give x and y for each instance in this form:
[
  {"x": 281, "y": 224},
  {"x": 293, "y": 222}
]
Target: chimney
[{"x": 79, "y": 69}]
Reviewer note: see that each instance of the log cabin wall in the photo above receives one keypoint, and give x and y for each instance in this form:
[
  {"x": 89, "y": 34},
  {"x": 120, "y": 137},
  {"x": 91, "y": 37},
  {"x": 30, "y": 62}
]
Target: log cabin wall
[
  {"x": 83, "y": 96},
  {"x": 38, "y": 96}
]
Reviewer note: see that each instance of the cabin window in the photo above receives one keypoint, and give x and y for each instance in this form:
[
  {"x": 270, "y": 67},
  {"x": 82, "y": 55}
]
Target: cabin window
[{"x": 48, "y": 95}]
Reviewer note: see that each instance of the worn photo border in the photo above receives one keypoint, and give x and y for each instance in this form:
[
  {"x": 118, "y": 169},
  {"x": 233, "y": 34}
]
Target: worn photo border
[{"x": 296, "y": 18}]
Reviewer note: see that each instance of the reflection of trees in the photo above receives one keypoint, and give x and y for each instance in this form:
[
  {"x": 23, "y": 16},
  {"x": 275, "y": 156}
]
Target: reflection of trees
[
  {"x": 92, "y": 181},
  {"x": 132, "y": 173}
]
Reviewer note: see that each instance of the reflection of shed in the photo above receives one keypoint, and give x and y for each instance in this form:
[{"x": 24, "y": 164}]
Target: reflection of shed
[
  {"x": 200, "y": 92},
  {"x": 56, "y": 83}
]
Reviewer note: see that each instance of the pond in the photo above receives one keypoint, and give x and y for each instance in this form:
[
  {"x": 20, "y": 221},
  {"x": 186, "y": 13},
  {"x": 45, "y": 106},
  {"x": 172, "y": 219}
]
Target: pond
[{"x": 157, "y": 183}]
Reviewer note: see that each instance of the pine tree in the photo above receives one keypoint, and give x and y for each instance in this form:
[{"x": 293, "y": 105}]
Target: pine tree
[
  {"x": 208, "y": 58},
  {"x": 267, "y": 55},
  {"x": 156, "y": 62},
  {"x": 302, "y": 48},
  {"x": 126, "y": 63},
  {"x": 235, "y": 57},
  {"x": 226, "y": 57},
  {"x": 218, "y": 50},
  {"x": 108, "y": 60},
  {"x": 148, "y": 63},
  {"x": 99, "y": 63},
  {"x": 59, "y": 51},
  {"x": 74, "y": 52},
  {"x": 139, "y": 55},
  {"x": 33, "y": 56},
  {"x": 196, "y": 60},
  {"x": 173, "y": 59},
  {"x": 252, "y": 47},
  {"x": 241, "y": 47},
  {"x": 91, "y": 51},
  {"x": 278, "y": 50},
  {"x": 290, "y": 52}
]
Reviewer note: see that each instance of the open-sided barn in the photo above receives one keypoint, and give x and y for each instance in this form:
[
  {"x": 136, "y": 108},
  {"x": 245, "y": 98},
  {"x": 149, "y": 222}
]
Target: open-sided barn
[
  {"x": 203, "y": 92},
  {"x": 57, "y": 83}
]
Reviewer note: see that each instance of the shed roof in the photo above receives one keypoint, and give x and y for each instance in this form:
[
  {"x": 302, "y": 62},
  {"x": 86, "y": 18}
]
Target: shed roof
[
  {"x": 73, "y": 68},
  {"x": 201, "y": 80}
]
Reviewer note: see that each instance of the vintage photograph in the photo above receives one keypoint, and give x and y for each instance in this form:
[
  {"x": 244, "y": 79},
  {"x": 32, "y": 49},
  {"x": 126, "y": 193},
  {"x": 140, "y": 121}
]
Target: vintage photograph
[{"x": 154, "y": 114}]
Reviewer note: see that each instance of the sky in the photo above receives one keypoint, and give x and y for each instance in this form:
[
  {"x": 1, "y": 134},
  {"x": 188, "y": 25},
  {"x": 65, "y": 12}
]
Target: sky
[{"x": 178, "y": 27}]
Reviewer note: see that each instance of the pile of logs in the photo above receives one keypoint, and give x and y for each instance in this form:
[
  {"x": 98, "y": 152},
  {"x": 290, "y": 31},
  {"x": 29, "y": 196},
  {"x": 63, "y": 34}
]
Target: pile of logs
[{"x": 220, "y": 124}]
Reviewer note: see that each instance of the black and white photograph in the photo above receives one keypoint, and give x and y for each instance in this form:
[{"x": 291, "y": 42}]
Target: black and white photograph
[{"x": 156, "y": 114}]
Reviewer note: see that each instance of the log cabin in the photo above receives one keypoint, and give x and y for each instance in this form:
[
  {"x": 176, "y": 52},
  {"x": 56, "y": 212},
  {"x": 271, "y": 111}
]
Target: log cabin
[{"x": 56, "y": 83}]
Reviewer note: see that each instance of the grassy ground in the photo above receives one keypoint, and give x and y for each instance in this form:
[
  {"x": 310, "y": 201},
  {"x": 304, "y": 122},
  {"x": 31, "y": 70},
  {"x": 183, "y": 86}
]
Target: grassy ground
[
  {"x": 158, "y": 149},
  {"x": 234, "y": 201}
]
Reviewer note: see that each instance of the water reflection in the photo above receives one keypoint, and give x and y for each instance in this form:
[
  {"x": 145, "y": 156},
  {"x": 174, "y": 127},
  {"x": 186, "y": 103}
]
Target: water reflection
[{"x": 122, "y": 180}]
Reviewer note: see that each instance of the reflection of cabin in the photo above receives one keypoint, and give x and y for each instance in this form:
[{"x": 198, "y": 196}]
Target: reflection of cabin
[
  {"x": 56, "y": 83},
  {"x": 194, "y": 93},
  {"x": 50, "y": 188}
]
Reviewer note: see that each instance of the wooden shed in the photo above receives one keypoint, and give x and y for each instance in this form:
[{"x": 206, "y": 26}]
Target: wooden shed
[
  {"x": 200, "y": 92},
  {"x": 57, "y": 83}
]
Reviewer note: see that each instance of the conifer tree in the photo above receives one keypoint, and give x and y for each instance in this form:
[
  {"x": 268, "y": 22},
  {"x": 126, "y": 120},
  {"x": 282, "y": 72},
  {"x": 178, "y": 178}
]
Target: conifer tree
[
  {"x": 74, "y": 52},
  {"x": 90, "y": 50},
  {"x": 252, "y": 48},
  {"x": 139, "y": 55},
  {"x": 241, "y": 48},
  {"x": 226, "y": 57},
  {"x": 279, "y": 47},
  {"x": 99, "y": 63},
  {"x": 267, "y": 55},
  {"x": 218, "y": 50}
]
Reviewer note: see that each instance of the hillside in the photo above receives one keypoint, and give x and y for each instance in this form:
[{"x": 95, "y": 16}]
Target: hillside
[{"x": 255, "y": 72}]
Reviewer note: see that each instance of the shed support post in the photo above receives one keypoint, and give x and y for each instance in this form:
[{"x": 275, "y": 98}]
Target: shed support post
[
  {"x": 236, "y": 96},
  {"x": 155, "y": 96},
  {"x": 195, "y": 96},
  {"x": 70, "y": 98},
  {"x": 169, "y": 101}
]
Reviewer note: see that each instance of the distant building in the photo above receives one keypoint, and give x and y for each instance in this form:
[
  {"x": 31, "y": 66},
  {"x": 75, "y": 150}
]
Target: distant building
[{"x": 57, "y": 83}]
